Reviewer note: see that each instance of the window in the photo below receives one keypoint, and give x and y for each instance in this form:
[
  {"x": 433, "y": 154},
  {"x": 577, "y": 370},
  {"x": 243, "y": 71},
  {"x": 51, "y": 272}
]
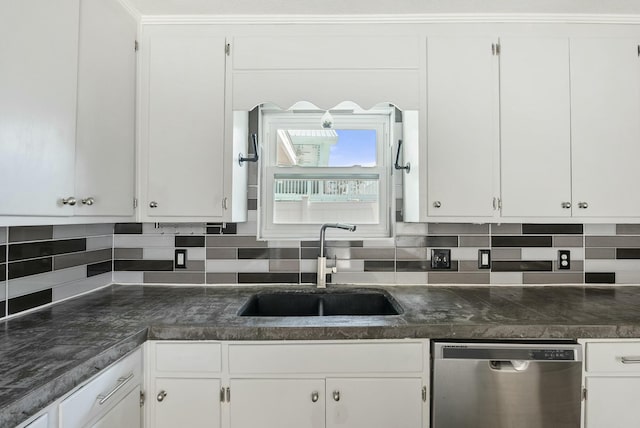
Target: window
[{"x": 312, "y": 174}]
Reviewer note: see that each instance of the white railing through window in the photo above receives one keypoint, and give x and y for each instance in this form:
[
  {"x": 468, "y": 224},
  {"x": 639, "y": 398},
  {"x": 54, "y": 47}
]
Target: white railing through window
[{"x": 326, "y": 190}]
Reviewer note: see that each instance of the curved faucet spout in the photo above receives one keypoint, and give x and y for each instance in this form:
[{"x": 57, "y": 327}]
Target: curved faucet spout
[{"x": 323, "y": 228}]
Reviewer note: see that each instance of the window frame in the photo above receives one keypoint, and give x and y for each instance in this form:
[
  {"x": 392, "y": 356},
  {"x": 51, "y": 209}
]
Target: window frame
[{"x": 270, "y": 120}]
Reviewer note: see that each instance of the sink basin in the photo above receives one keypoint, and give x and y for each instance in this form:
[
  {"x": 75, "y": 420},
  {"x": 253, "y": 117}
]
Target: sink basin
[{"x": 320, "y": 303}]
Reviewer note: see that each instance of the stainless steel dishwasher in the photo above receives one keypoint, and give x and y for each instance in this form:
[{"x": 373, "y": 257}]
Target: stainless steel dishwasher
[{"x": 499, "y": 385}]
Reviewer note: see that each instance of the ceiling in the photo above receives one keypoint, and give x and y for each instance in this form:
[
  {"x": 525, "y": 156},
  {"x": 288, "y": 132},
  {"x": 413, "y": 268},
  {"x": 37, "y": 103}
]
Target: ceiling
[{"x": 351, "y": 7}]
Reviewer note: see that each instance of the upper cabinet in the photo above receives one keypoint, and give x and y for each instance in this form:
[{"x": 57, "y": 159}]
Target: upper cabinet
[
  {"x": 535, "y": 127},
  {"x": 183, "y": 124},
  {"x": 38, "y": 81},
  {"x": 67, "y": 108},
  {"x": 104, "y": 167},
  {"x": 462, "y": 133},
  {"x": 605, "y": 126}
]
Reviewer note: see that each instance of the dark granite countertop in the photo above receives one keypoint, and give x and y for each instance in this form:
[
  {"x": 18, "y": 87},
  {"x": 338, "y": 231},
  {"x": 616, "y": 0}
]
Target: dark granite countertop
[{"x": 47, "y": 353}]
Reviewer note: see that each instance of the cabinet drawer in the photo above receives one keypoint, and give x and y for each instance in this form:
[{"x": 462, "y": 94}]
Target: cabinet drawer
[
  {"x": 101, "y": 392},
  {"x": 394, "y": 357},
  {"x": 188, "y": 357},
  {"x": 610, "y": 357}
]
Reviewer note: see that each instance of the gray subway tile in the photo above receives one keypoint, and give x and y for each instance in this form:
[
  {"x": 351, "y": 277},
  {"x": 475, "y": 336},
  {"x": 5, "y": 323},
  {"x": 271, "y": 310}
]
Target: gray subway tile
[
  {"x": 612, "y": 241},
  {"x": 506, "y": 253},
  {"x": 506, "y": 229},
  {"x": 30, "y": 233},
  {"x": 234, "y": 241},
  {"x": 373, "y": 253},
  {"x": 552, "y": 278},
  {"x": 459, "y": 277},
  {"x": 221, "y": 278},
  {"x": 284, "y": 265},
  {"x": 77, "y": 259},
  {"x": 174, "y": 278},
  {"x": 627, "y": 229},
  {"x": 193, "y": 266},
  {"x": 412, "y": 253},
  {"x": 475, "y": 241},
  {"x": 442, "y": 241},
  {"x": 563, "y": 241},
  {"x": 411, "y": 241},
  {"x": 128, "y": 253},
  {"x": 599, "y": 253},
  {"x": 468, "y": 266},
  {"x": 221, "y": 253},
  {"x": 457, "y": 229}
]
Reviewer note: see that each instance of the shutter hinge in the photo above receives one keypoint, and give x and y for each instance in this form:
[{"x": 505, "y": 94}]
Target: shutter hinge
[
  {"x": 135, "y": 203},
  {"x": 424, "y": 394},
  {"x": 136, "y": 46},
  {"x": 142, "y": 398},
  {"x": 584, "y": 394},
  {"x": 227, "y": 49},
  {"x": 495, "y": 49}
]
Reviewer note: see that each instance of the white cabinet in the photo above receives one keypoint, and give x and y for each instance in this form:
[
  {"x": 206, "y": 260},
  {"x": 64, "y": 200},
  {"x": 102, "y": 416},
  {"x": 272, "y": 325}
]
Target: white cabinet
[
  {"x": 605, "y": 130},
  {"x": 535, "y": 122},
  {"x": 104, "y": 166},
  {"x": 109, "y": 396},
  {"x": 184, "y": 384},
  {"x": 277, "y": 403},
  {"x": 67, "y": 94},
  {"x": 182, "y": 124},
  {"x": 38, "y": 79},
  {"x": 612, "y": 383},
  {"x": 462, "y": 127}
]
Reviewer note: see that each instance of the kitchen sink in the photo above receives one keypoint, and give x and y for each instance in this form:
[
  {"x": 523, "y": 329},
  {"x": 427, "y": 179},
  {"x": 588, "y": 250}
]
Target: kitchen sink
[{"x": 320, "y": 303}]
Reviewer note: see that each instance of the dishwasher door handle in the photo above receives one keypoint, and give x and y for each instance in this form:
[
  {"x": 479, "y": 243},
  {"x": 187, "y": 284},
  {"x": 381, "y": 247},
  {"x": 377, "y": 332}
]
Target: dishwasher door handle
[{"x": 509, "y": 365}]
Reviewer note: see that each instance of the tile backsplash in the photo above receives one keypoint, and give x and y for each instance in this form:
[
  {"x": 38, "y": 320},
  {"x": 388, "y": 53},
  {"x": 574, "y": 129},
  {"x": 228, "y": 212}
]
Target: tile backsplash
[
  {"x": 520, "y": 254},
  {"x": 45, "y": 264}
]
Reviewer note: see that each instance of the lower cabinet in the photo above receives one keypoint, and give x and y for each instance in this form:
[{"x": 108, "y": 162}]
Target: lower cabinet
[
  {"x": 124, "y": 414},
  {"x": 611, "y": 384},
  {"x": 288, "y": 384}
]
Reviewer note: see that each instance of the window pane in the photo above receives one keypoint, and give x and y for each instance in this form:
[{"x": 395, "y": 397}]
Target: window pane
[
  {"x": 326, "y": 147},
  {"x": 319, "y": 200}
]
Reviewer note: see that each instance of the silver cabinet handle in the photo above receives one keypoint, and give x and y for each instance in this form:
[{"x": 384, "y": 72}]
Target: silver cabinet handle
[
  {"x": 315, "y": 396},
  {"x": 153, "y": 204},
  {"x": 71, "y": 201},
  {"x": 566, "y": 205},
  {"x": 437, "y": 204},
  {"x": 88, "y": 201},
  {"x": 121, "y": 382},
  {"x": 161, "y": 395},
  {"x": 583, "y": 205},
  {"x": 630, "y": 360},
  {"x": 336, "y": 395}
]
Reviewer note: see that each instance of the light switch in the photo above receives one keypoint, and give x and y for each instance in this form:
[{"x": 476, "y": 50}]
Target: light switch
[
  {"x": 180, "y": 260},
  {"x": 484, "y": 259}
]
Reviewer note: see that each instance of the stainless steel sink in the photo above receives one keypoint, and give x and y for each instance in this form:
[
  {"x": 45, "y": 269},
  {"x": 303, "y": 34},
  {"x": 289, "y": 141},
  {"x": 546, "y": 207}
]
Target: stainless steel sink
[{"x": 356, "y": 302}]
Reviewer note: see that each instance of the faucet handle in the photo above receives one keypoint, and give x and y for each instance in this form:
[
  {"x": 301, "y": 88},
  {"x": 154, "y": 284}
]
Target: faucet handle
[{"x": 333, "y": 269}]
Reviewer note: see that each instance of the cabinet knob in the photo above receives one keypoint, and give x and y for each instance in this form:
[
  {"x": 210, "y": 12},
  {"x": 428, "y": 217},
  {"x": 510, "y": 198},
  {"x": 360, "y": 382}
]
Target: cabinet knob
[
  {"x": 161, "y": 395},
  {"x": 566, "y": 205},
  {"x": 88, "y": 201},
  {"x": 336, "y": 395},
  {"x": 437, "y": 204},
  {"x": 71, "y": 201},
  {"x": 153, "y": 204},
  {"x": 315, "y": 396},
  {"x": 583, "y": 205}
]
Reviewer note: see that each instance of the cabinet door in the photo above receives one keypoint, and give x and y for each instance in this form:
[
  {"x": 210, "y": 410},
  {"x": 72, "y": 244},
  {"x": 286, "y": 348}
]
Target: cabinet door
[
  {"x": 535, "y": 143},
  {"x": 612, "y": 402},
  {"x": 106, "y": 110},
  {"x": 38, "y": 79},
  {"x": 124, "y": 414},
  {"x": 605, "y": 127},
  {"x": 277, "y": 403},
  {"x": 185, "y": 129},
  {"x": 374, "y": 403},
  {"x": 462, "y": 126},
  {"x": 188, "y": 402}
]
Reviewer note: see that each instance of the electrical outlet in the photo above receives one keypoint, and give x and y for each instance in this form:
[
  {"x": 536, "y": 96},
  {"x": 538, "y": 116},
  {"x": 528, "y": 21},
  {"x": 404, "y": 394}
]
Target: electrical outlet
[
  {"x": 484, "y": 259},
  {"x": 180, "y": 261},
  {"x": 564, "y": 259},
  {"x": 440, "y": 259}
]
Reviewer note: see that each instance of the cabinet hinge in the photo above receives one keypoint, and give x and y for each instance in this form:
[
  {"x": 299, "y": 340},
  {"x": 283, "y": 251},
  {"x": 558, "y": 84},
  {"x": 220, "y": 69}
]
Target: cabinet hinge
[
  {"x": 222, "y": 395},
  {"x": 136, "y": 46},
  {"x": 424, "y": 394},
  {"x": 228, "y": 395},
  {"x": 142, "y": 398},
  {"x": 584, "y": 394},
  {"x": 227, "y": 49},
  {"x": 135, "y": 203},
  {"x": 638, "y": 50},
  {"x": 495, "y": 49},
  {"x": 224, "y": 204}
]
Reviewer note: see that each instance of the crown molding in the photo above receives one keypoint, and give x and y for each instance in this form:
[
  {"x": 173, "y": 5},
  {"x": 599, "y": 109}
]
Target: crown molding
[
  {"x": 538, "y": 18},
  {"x": 132, "y": 10}
]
